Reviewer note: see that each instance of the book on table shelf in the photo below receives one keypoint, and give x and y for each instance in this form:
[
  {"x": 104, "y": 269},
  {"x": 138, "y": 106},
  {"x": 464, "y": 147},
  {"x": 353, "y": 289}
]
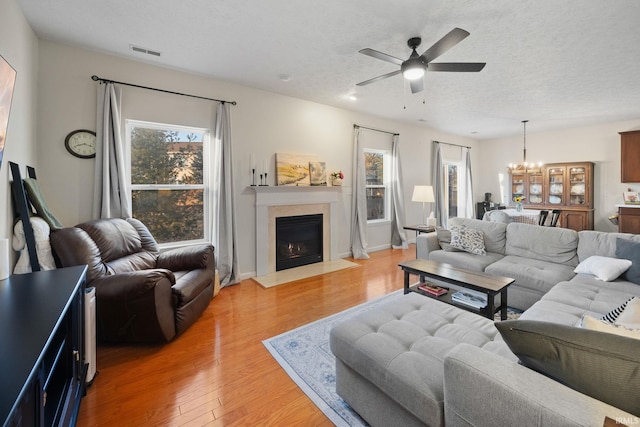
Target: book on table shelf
[
  {"x": 470, "y": 297},
  {"x": 432, "y": 288}
]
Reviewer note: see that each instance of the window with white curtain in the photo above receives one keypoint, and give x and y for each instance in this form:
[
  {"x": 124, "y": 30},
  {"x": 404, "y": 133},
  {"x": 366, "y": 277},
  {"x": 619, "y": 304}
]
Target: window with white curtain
[
  {"x": 377, "y": 184},
  {"x": 452, "y": 172},
  {"x": 169, "y": 166}
]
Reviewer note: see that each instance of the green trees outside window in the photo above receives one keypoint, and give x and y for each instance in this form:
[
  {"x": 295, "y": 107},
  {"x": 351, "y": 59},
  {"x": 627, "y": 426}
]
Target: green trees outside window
[{"x": 167, "y": 180}]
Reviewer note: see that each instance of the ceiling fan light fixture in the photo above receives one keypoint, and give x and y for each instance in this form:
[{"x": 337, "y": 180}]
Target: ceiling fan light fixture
[
  {"x": 413, "y": 73},
  {"x": 413, "y": 68}
]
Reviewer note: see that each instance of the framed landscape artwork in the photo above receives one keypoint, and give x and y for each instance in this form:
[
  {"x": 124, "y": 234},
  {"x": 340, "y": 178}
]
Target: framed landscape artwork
[
  {"x": 293, "y": 169},
  {"x": 7, "y": 83}
]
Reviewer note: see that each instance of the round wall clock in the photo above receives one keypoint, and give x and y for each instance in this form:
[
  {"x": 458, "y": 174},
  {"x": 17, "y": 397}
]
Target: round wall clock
[{"x": 81, "y": 143}]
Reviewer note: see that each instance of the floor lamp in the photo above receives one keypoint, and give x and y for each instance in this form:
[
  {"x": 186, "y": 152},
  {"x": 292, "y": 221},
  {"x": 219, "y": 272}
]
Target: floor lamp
[{"x": 424, "y": 194}]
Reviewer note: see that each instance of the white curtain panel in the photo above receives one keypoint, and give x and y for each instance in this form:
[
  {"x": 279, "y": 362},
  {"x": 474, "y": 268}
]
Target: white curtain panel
[
  {"x": 224, "y": 227},
  {"x": 467, "y": 191},
  {"x": 438, "y": 185},
  {"x": 359, "y": 216},
  {"x": 398, "y": 235},
  {"x": 111, "y": 192}
]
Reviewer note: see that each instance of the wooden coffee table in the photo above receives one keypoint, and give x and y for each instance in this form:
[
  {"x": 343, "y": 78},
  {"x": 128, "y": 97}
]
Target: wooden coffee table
[{"x": 488, "y": 284}]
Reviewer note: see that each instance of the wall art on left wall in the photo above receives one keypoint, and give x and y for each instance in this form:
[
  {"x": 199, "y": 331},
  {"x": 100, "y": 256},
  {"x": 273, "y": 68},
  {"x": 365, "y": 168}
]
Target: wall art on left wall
[{"x": 7, "y": 83}]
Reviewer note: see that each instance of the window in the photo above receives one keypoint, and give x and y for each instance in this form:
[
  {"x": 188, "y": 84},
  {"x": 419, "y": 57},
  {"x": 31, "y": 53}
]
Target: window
[
  {"x": 451, "y": 170},
  {"x": 168, "y": 174},
  {"x": 376, "y": 163}
]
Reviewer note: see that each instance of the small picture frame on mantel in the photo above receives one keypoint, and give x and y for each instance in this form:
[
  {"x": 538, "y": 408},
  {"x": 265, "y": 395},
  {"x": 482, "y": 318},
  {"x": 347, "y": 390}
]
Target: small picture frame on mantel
[{"x": 631, "y": 198}]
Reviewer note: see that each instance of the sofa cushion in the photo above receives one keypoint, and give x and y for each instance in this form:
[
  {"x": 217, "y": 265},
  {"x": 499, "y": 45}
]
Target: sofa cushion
[
  {"x": 600, "y": 365},
  {"x": 591, "y": 294},
  {"x": 468, "y": 239},
  {"x": 630, "y": 250},
  {"x": 599, "y": 243},
  {"x": 495, "y": 233},
  {"x": 465, "y": 259},
  {"x": 557, "y": 245},
  {"x": 531, "y": 273},
  {"x": 603, "y": 268}
]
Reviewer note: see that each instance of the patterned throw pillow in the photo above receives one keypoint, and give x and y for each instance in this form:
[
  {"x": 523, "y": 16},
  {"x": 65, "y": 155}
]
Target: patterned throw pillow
[
  {"x": 444, "y": 238},
  {"x": 612, "y": 316},
  {"x": 468, "y": 239}
]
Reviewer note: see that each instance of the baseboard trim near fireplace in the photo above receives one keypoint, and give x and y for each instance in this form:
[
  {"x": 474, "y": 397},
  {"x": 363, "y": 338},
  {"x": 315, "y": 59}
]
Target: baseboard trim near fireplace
[{"x": 304, "y": 272}]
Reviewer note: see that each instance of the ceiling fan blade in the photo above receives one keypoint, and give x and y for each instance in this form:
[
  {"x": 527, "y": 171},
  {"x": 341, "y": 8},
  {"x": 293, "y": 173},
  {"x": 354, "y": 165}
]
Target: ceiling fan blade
[
  {"x": 417, "y": 85},
  {"x": 468, "y": 67},
  {"x": 380, "y": 55},
  {"x": 454, "y": 37},
  {"x": 375, "y": 79}
]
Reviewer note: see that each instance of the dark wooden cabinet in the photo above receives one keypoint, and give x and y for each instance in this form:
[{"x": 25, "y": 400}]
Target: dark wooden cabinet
[
  {"x": 564, "y": 186},
  {"x": 42, "y": 347},
  {"x": 629, "y": 220},
  {"x": 630, "y": 156}
]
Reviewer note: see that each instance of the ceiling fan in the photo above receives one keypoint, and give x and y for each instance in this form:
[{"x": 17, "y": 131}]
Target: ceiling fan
[{"x": 414, "y": 68}]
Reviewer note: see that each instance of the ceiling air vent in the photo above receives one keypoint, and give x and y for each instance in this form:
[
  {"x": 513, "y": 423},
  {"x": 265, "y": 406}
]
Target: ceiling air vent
[{"x": 144, "y": 50}]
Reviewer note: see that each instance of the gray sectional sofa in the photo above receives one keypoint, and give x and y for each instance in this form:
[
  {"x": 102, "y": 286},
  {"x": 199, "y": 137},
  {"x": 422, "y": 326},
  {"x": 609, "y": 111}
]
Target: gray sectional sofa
[{"x": 418, "y": 361}]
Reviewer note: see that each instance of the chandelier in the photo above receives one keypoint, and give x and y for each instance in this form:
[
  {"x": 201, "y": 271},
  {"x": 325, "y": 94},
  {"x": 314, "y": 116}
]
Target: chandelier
[{"x": 524, "y": 166}]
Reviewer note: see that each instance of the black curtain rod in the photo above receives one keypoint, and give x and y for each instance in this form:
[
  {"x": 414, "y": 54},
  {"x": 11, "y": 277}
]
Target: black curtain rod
[
  {"x": 455, "y": 145},
  {"x": 96, "y": 78},
  {"x": 377, "y": 130}
]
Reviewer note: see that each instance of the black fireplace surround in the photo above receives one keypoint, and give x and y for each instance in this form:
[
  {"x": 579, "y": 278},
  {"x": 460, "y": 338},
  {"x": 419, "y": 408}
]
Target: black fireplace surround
[{"x": 298, "y": 241}]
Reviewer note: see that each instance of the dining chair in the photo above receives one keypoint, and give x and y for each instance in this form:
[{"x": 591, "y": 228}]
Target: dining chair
[
  {"x": 555, "y": 215},
  {"x": 543, "y": 217}
]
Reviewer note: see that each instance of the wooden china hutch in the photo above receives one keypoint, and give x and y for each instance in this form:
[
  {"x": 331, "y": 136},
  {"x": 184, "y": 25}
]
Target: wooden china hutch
[{"x": 564, "y": 186}]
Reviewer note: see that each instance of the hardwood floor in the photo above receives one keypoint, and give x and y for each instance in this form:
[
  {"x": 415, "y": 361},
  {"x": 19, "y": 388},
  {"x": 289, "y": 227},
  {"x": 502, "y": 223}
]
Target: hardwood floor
[{"x": 218, "y": 372}]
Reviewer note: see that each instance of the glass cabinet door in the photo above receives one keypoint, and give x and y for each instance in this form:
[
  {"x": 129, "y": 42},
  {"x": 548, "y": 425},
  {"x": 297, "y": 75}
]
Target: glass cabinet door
[
  {"x": 578, "y": 183},
  {"x": 535, "y": 189},
  {"x": 556, "y": 186},
  {"x": 517, "y": 185}
]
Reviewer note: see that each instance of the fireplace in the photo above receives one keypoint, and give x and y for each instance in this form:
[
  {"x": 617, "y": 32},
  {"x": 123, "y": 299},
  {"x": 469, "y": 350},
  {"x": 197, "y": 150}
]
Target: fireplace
[
  {"x": 280, "y": 201},
  {"x": 298, "y": 241}
]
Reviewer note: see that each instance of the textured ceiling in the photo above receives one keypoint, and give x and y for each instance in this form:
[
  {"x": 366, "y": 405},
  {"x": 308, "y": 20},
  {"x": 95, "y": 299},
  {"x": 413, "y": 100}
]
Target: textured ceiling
[{"x": 558, "y": 64}]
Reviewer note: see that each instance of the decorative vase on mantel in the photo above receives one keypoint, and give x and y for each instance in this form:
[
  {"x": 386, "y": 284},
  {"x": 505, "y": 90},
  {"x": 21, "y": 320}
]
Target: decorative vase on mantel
[{"x": 336, "y": 181}]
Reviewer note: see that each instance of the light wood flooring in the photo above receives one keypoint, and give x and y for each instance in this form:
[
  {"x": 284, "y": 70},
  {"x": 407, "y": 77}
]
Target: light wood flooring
[{"x": 218, "y": 373}]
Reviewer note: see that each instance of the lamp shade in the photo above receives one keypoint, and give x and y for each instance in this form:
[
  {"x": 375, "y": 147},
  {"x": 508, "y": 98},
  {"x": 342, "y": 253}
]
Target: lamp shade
[{"x": 423, "y": 193}]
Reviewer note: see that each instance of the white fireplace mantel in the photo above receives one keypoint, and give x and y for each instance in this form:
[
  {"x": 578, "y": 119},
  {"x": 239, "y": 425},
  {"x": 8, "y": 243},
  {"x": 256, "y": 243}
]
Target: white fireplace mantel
[{"x": 295, "y": 200}]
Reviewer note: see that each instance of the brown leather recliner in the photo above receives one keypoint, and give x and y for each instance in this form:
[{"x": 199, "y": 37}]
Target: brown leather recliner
[{"x": 142, "y": 295}]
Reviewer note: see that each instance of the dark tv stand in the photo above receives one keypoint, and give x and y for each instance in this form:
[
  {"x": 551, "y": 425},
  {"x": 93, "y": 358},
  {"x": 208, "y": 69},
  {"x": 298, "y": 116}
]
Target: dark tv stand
[{"x": 42, "y": 347}]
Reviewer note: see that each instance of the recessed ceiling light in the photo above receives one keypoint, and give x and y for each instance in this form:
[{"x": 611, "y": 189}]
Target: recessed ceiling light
[
  {"x": 353, "y": 98},
  {"x": 284, "y": 77}
]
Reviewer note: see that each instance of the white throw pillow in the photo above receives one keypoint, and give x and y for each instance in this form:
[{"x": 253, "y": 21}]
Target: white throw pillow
[
  {"x": 468, "y": 239},
  {"x": 604, "y": 268}
]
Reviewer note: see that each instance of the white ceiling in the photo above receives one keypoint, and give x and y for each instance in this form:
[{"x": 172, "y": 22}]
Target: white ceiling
[{"x": 559, "y": 64}]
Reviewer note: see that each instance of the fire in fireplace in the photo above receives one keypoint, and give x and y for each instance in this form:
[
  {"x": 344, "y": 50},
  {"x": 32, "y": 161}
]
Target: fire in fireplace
[{"x": 298, "y": 241}]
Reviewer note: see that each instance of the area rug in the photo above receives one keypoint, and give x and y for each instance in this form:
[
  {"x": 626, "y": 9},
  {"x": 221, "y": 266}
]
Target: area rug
[{"x": 305, "y": 355}]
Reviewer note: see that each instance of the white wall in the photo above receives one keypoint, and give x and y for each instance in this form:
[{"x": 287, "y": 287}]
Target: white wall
[
  {"x": 19, "y": 47},
  {"x": 599, "y": 144},
  {"x": 263, "y": 123}
]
